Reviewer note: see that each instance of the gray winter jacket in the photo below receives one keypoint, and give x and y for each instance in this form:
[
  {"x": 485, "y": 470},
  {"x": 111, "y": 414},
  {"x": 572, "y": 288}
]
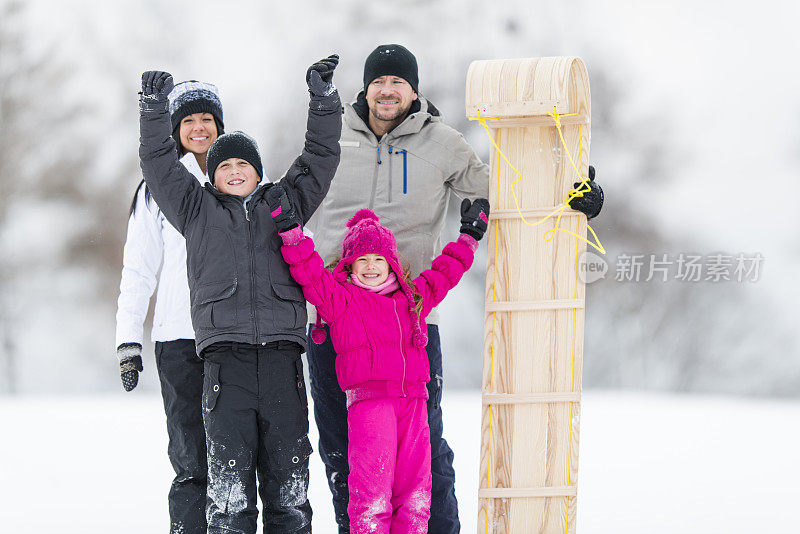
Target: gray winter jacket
[
  {"x": 406, "y": 179},
  {"x": 240, "y": 287}
]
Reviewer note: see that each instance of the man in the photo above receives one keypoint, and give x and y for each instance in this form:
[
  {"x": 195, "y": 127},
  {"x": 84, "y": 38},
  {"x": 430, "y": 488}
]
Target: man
[{"x": 401, "y": 161}]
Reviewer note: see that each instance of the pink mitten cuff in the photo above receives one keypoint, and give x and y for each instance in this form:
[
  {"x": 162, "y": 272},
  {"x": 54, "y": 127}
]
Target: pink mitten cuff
[{"x": 293, "y": 236}]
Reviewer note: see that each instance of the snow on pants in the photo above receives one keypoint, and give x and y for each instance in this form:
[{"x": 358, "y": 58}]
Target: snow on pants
[
  {"x": 181, "y": 375},
  {"x": 390, "y": 466},
  {"x": 256, "y": 419},
  {"x": 330, "y": 412}
]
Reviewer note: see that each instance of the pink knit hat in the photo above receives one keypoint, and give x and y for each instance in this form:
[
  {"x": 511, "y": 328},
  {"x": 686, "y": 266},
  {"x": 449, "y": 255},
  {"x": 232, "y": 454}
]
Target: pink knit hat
[{"x": 365, "y": 235}]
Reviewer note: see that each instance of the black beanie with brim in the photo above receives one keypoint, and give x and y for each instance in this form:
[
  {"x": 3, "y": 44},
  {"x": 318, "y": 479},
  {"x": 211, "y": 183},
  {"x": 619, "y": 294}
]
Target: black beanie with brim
[{"x": 233, "y": 145}]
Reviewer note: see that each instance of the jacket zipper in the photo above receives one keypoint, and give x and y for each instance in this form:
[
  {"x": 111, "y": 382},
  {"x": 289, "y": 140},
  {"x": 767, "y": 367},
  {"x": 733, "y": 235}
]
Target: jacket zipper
[
  {"x": 375, "y": 178},
  {"x": 402, "y": 351},
  {"x": 404, "y": 152},
  {"x": 391, "y": 150},
  {"x": 252, "y": 276}
]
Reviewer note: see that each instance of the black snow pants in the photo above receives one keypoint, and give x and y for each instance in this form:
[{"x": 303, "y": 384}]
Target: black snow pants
[
  {"x": 181, "y": 375},
  {"x": 255, "y": 412},
  {"x": 330, "y": 412}
]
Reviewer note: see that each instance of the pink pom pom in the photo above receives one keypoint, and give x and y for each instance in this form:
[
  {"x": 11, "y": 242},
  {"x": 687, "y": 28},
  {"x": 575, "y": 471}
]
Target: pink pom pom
[
  {"x": 360, "y": 216},
  {"x": 420, "y": 339},
  {"x": 318, "y": 335}
]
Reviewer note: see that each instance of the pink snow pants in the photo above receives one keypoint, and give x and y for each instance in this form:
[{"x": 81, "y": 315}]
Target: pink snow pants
[{"x": 390, "y": 466}]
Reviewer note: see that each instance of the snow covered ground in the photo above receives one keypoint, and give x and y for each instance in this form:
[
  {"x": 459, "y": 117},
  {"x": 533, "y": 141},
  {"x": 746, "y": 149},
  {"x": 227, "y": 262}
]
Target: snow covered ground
[{"x": 650, "y": 464}]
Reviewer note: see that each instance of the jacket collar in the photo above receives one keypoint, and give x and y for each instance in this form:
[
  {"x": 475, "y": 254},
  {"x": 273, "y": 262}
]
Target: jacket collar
[
  {"x": 257, "y": 193},
  {"x": 190, "y": 162},
  {"x": 420, "y": 113}
]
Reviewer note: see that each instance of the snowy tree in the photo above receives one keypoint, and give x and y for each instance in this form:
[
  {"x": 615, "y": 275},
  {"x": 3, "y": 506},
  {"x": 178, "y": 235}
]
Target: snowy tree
[
  {"x": 38, "y": 164},
  {"x": 60, "y": 219}
]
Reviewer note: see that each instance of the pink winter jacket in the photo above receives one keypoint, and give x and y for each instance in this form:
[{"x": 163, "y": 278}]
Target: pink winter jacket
[{"x": 372, "y": 333}]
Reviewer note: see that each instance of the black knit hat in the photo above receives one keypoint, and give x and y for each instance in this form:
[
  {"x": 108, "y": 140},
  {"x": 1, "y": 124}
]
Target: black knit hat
[
  {"x": 233, "y": 145},
  {"x": 391, "y": 60},
  {"x": 191, "y": 97}
]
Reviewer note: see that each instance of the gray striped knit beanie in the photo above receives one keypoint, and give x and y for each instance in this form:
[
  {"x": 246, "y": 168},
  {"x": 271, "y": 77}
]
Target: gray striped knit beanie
[{"x": 194, "y": 97}]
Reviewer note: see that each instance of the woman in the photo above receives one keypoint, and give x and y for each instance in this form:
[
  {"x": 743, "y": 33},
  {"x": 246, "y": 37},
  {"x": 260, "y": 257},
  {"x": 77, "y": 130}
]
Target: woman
[{"x": 196, "y": 115}]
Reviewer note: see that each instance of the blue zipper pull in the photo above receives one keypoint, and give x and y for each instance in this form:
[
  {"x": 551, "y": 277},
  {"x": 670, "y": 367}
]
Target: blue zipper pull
[
  {"x": 379, "y": 154},
  {"x": 404, "y": 152},
  {"x": 390, "y": 149}
]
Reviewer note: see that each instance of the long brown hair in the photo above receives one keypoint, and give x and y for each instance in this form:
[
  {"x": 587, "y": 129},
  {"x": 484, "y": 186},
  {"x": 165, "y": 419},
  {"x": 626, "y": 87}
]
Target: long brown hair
[{"x": 418, "y": 303}]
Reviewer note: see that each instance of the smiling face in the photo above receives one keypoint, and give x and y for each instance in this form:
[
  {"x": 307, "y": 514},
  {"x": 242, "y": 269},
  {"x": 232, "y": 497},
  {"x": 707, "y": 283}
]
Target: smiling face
[
  {"x": 197, "y": 132},
  {"x": 389, "y": 98},
  {"x": 236, "y": 176},
  {"x": 371, "y": 269}
]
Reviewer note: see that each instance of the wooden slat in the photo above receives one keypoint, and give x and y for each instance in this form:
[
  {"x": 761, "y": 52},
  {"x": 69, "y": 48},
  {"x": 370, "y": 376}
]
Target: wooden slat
[
  {"x": 523, "y": 493},
  {"x": 531, "y": 213},
  {"x": 518, "y": 109},
  {"x": 529, "y": 398},
  {"x": 522, "y": 305},
  {"x": 536, "y": 122}
]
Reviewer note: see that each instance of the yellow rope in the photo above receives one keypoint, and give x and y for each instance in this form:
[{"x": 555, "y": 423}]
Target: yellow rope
[
  {"x": 491, "y": 376},
  {"x": 573, "y": 193},
  {"x": 583, "y": 186},
  {"x": 572, "y": 373}
]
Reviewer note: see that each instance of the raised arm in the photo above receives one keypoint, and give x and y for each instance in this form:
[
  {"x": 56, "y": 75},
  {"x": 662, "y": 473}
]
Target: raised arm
[
  {"x": 174, "y": 188},
  {"x": 456, "y": 258},
  {"x": 308, "y": 179},
  {"x": 306, "y": 266}
]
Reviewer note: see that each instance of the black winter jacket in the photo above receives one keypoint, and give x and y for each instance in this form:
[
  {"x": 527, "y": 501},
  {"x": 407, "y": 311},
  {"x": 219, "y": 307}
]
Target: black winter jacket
[{"x": 239, "y": 285}]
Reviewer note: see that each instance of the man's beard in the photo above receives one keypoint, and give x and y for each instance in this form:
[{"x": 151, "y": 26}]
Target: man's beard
[{"x": 400, "y": 113}]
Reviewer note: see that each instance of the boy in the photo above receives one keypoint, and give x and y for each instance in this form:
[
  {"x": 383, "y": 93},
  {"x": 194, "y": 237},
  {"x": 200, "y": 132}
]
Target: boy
[{"x": 247, "y": 312}]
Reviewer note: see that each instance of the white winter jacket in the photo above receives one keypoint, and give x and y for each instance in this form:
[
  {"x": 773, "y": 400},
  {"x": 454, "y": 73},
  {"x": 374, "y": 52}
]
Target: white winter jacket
[{"x": 150, "y": 240}]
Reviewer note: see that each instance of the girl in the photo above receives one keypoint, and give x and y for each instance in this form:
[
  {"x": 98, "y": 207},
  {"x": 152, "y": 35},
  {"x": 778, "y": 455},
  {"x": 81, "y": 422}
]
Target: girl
[
  {"x": 196, "y": 120},
  {"x": 376, "y": 315}
]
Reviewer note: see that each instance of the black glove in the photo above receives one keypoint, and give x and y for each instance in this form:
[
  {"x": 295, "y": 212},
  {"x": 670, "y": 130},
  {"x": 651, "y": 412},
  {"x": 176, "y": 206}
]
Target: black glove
[
  {"x": 319, "y": 76},
  {"x": 130, "y": 363},
  {"x": 474, "y": 217},
  {"x": 156, "y": 87},
  {"x": 281, "y": 209},
  {"x": 592, "y": 201}
]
